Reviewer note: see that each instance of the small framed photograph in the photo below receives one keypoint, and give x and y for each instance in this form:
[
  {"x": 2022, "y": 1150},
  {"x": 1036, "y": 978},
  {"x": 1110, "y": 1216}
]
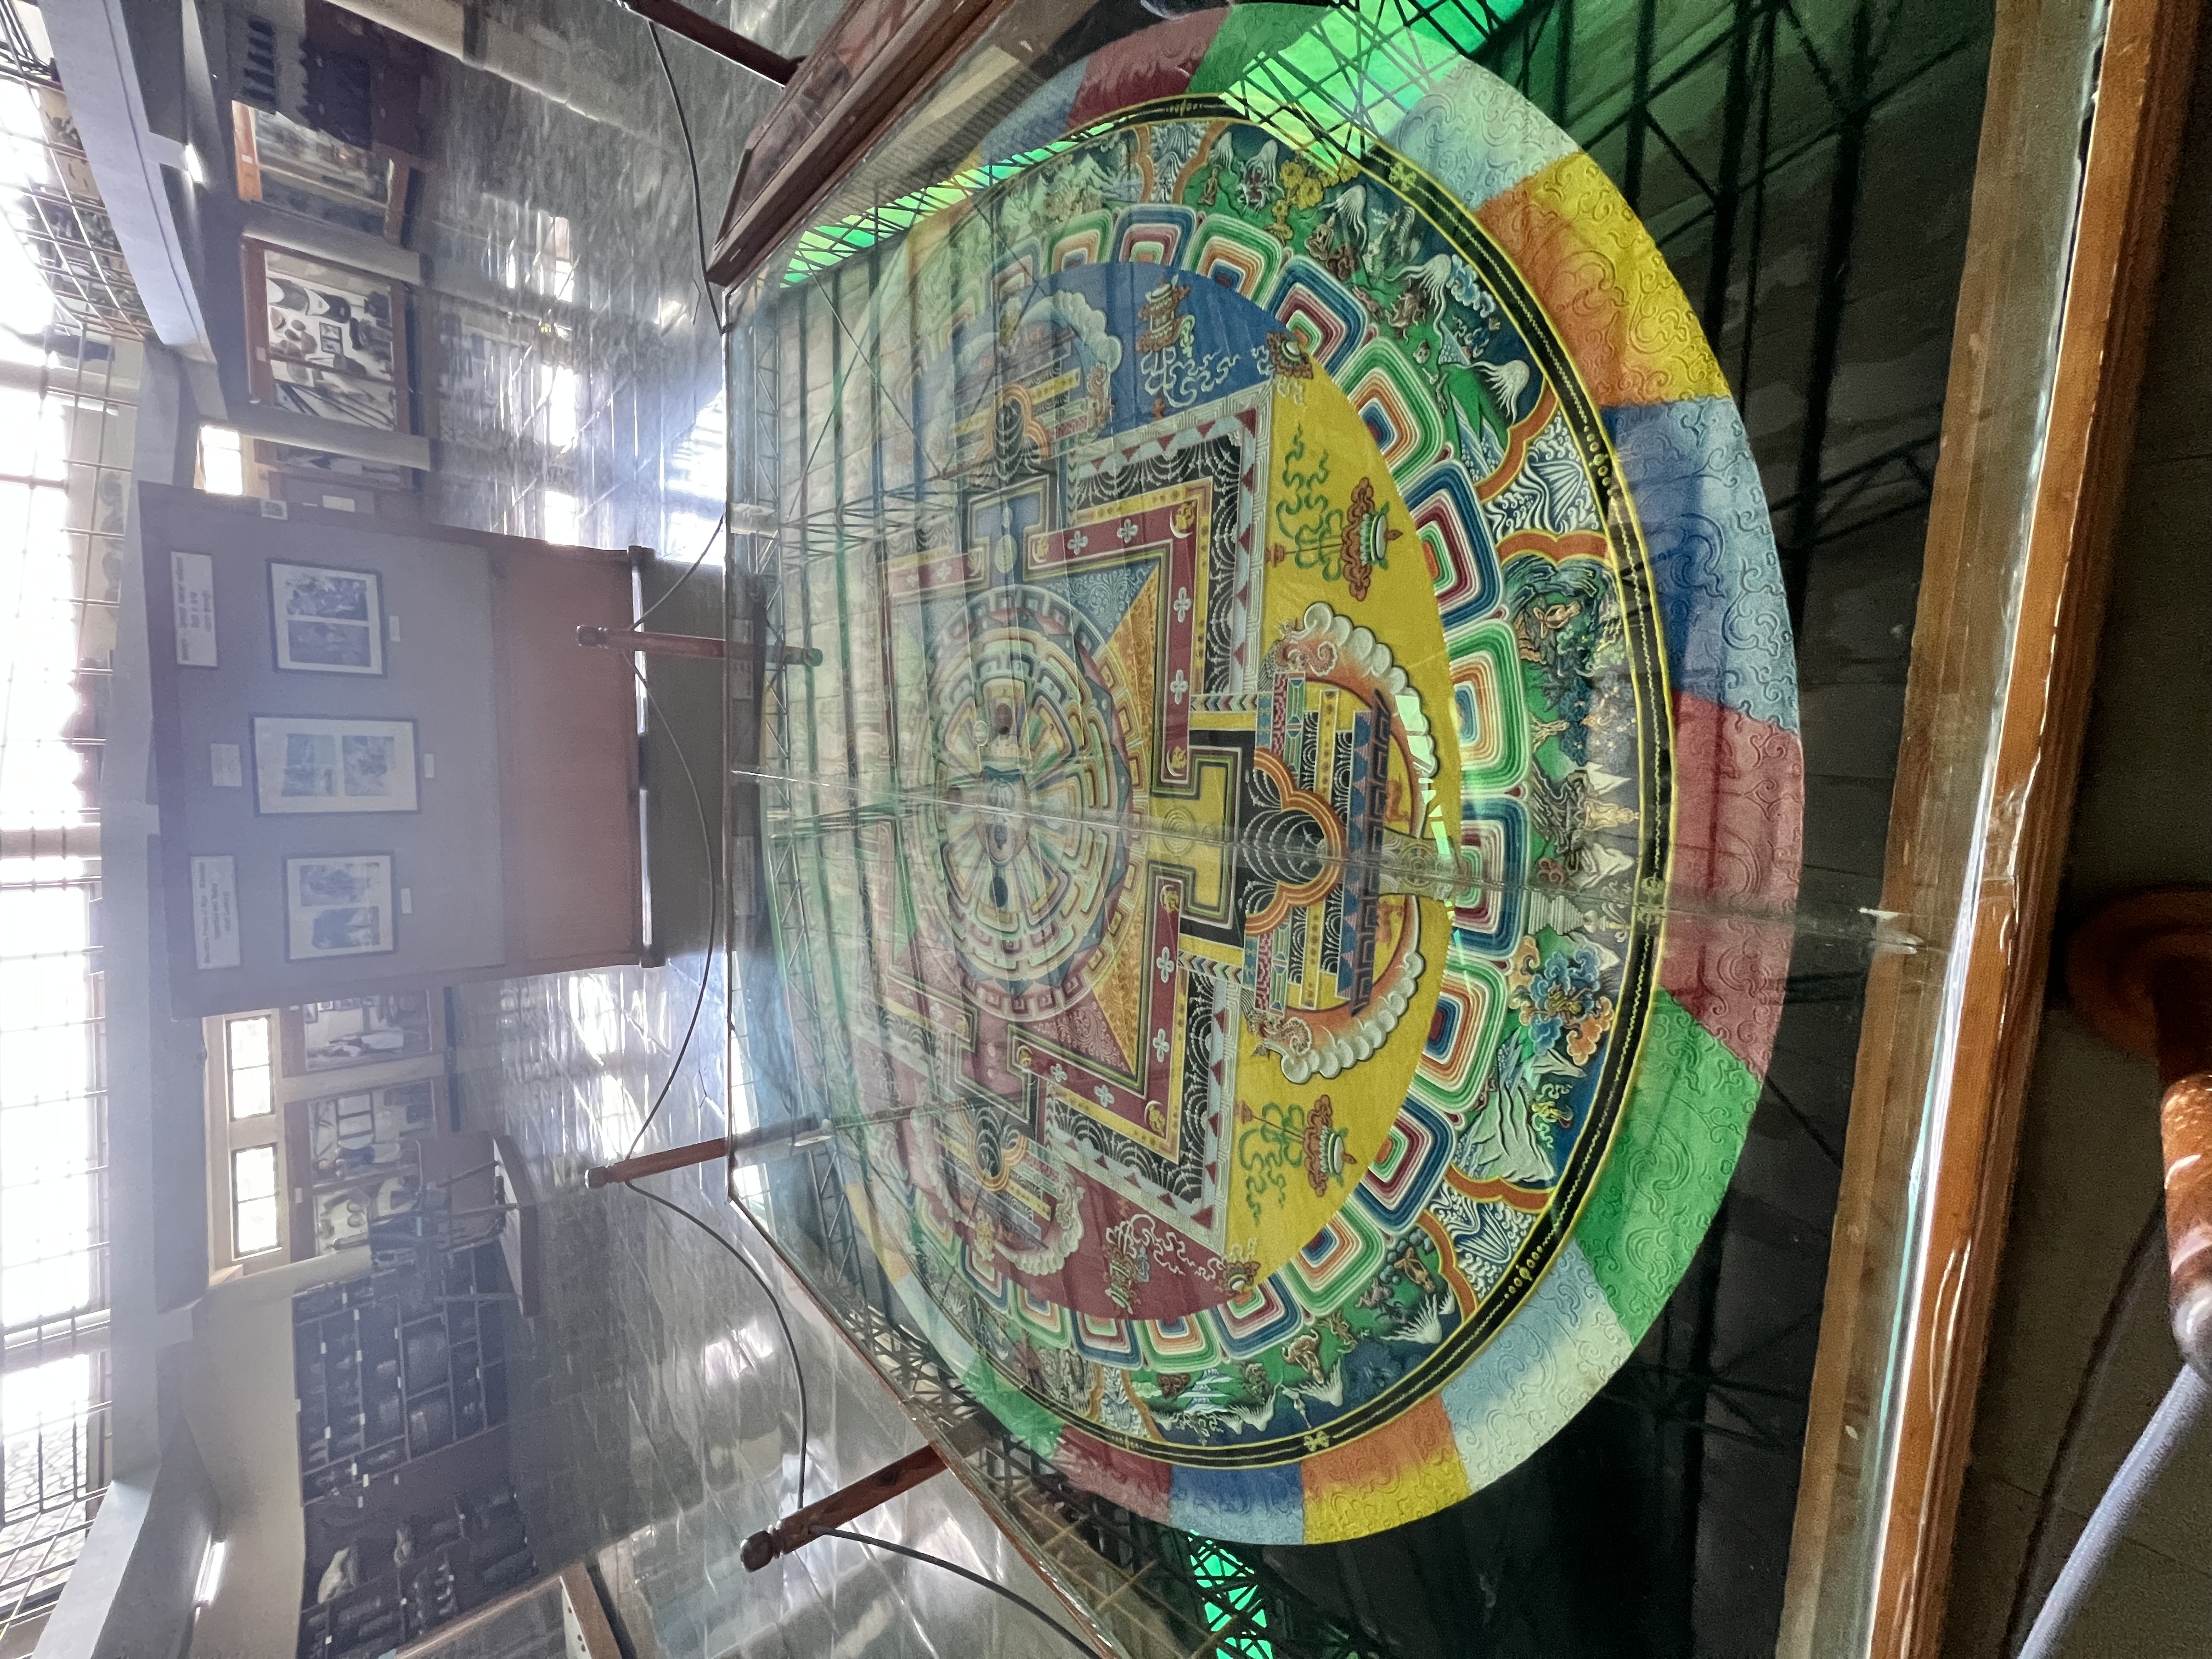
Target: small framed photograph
[
  {"x": 304, "y": 763},
  {"x": 327, "y": 621},
  {"x": 339, "y": 905},
  {"x": 349, "y": 1032}
]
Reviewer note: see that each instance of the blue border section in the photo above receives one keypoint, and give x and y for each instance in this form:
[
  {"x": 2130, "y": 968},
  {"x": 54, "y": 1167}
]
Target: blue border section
[
  {"x": 1252, "y": 1506},
  {"x": 1689, "y": 470}
]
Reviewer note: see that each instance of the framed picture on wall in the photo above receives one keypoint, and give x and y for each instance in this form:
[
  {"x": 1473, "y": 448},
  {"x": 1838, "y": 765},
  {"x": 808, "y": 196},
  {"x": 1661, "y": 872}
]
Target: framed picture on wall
[
  {"x": 304, "y": 763},
  {"x": 338, "y": 904},
  {"x": 348, "y": 1031},
  {"x": 325, "y": 340},
  {"x": 326, "y": 621},
  {"x": 344, "y": 1137},
  {"x": 301, "y": 170}
]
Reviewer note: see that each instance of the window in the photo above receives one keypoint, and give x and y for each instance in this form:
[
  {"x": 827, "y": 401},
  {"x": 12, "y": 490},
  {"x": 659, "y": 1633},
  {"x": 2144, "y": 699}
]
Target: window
[
  {"x": 246, "y": 1043},
  {"x": 222, "y": 461},
  {"x": 253, "y": 1200}
]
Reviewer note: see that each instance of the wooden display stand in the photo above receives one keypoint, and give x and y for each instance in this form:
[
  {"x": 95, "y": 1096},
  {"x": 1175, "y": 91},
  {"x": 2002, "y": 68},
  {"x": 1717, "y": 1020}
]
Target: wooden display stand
[{"x": 444, "y": 789}]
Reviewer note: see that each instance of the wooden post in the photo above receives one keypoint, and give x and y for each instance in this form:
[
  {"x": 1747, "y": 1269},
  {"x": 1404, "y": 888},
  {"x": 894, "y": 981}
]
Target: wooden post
[
  {"x": 685, "y": 645},
  {"x": 674, "y": 1157},
  {"x": 769, "y": 1137},
  {"x": 846, "y": 1504},
  {"x": 2141, "y": 974}
]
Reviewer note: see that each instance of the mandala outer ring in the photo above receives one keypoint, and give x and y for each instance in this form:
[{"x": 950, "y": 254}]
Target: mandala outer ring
[{"x": 1685, "y": 472}]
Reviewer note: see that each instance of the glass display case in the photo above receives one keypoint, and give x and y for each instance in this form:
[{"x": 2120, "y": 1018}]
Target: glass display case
[{"x": 1396, "y": 706}]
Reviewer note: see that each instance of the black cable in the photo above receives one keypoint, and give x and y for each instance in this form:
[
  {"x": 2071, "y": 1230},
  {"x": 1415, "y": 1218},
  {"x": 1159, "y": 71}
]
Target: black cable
[
  {"x": 1073, "y": 1640},
  {"x": 2142, "y": 1256},
  {"x": 2169, "y": 1431},
  {"x": 699, "y": 224},
  {"x": 690, "y": 570},
  {"x": 713, "y": 918},
  {"x": 775, "y": 1305},
  {"x": 691, "y": 155}
]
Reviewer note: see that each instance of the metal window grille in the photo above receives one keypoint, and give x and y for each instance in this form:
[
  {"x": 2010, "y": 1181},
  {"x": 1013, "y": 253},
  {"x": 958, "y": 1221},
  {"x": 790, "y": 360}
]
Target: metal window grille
[
  {"x": 69, "y": 394},
  {"x": 53, "y": 1468},
  {"x": 54, "y": 206},
  {"x": 22, "y": 58}
]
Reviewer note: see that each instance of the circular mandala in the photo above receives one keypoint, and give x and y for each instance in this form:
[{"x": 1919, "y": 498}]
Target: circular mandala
[
  {"x": 1030, "y": 782},
  {"x": 1323, "y": 987}
]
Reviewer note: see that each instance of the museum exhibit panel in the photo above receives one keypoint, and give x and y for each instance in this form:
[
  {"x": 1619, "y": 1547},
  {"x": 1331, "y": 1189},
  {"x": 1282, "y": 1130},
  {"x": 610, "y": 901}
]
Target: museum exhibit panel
[
  {"x": 1299, "y": 828},
  {"x": 1331, "y": 883}
]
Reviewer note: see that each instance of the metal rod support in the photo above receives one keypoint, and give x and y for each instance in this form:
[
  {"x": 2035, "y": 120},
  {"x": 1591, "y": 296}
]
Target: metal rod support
[
  {"x": 686, "y": 645},
  {"x": 769, "y": 1137},
  {"x": 745, "y": 53},
  {"x": 846, "y": 1504}
]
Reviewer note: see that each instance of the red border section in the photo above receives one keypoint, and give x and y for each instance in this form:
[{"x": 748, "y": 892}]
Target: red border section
[
  {"x": 1135, "y": 1483},
  {"x": 1154, "y": 63},
  {"x": 1739, "y": 839}
]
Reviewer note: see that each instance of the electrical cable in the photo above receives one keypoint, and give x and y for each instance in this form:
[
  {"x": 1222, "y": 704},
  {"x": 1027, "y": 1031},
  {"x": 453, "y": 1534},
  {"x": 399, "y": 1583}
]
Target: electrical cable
[
  {"x": 691, "y": 155},
  {"x": 713, "y": 918},
  {"x": 2178, "y": 1414},
  {"x": 1073, "y": 1640},
  {"x": 775, "y": 1302},
  {"x": 699, "y": 224},
  {"x": 690, "y": 570},
  {"x": 2143, "y": 1257},
  {"x": 721, "y": 525},
  {"x": 775, "y": 1305}
]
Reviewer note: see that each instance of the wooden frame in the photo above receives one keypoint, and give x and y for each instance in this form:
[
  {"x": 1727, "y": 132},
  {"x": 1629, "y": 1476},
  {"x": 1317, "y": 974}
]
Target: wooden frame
[
  {"x": 373, "y": 622},
  {"x": 1997, "y": 706},
  {"x": 305, "y": 1186},
  {"x": 292, "y": 1044},
  {"x": 251, "y": 166},
  {"x": 262, "y": 356},
  {"x": 257, "y": 720},
  {"x": 848, "y": 93}
]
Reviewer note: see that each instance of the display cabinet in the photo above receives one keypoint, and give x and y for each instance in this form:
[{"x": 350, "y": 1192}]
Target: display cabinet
[
  {"x": 401, "y": 1376},
  {"x": 1423, "y": 669}
]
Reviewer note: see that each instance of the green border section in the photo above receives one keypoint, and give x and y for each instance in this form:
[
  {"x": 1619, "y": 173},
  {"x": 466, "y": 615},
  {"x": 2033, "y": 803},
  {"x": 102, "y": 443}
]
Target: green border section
[
  {"x": 1689, "y": 1108},
  {"x": 1034, "y": 1425}
]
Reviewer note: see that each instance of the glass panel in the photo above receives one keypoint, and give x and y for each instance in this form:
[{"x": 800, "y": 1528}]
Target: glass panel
[
  {"x": 1342, "y": 581},
  {"x": 248, "y": 1041},
  {"x": 253, "y": 1199},
  {"x": 256, "y": 1225}
]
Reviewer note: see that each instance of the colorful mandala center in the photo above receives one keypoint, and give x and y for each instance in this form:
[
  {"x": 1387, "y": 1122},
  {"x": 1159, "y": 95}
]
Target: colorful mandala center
[
  {"x": 1164, "y": 780},
  {"x": 1032, "y": 782}
]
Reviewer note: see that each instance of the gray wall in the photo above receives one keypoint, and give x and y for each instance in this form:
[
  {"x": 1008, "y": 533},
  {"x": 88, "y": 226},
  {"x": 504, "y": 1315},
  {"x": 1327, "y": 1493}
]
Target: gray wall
[
  {"x": 131, "y": 1594},
  {"x": 438, "y": 673}
]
